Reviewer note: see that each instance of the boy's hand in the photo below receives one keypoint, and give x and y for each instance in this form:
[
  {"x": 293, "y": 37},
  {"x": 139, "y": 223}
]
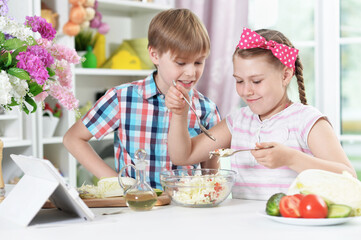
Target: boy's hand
[{"x": 174, "y": 100}]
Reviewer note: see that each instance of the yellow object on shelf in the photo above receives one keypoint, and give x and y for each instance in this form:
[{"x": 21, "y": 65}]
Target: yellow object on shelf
[
  {"x": 99, "y": 49},
  {"x": 140, "y": 46},
  {"x": 131, "y": 54}
]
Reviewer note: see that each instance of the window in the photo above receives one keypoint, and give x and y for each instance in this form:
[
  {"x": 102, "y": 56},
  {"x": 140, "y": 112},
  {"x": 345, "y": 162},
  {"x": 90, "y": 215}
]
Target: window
[
  {"x": 350, "y": 73},
  {"x": 328, "y": 35}
]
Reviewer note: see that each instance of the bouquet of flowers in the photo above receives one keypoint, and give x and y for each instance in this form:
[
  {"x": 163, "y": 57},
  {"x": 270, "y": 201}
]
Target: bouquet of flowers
[{"x": 33, "y": 68}]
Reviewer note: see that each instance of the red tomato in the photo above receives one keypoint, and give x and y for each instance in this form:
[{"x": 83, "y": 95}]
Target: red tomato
[
  {"x": 289, "y": 206},
  {"x": 299, "y": 196},
  {"x": 313, "y": 206}
]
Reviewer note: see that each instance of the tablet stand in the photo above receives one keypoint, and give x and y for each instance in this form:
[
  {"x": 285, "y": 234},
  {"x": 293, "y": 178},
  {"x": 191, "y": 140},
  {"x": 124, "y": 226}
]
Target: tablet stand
[
  {"x": 26, "y": 199},
  {"x": 41, "y": 181}
]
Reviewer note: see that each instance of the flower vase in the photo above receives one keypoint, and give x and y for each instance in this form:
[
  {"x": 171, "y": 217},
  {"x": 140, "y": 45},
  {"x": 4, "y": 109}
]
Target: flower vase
[
  {"x": 90, "y": 59},
  {"x": 49, "y": 124},
  {"x": 2, "y": 185}
]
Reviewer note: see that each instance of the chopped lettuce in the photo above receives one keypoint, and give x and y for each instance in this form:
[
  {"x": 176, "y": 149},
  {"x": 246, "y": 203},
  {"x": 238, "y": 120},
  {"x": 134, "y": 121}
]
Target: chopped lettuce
[
  {"x": 107, "y": 187},
  {"x": 335, "y": 188}
]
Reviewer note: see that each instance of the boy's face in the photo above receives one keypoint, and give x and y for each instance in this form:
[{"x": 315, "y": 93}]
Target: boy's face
[{"x": 184, "y": 70}]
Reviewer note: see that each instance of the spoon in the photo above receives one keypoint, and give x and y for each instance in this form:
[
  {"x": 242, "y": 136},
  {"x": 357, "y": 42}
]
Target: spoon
[
  {"x": 227, "y": 152},
  {"x": 204, "y": 129}
]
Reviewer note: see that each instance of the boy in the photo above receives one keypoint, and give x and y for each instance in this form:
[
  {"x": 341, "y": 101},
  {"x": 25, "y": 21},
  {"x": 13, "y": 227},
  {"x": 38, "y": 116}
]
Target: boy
[{"x": 178, "y": 45}]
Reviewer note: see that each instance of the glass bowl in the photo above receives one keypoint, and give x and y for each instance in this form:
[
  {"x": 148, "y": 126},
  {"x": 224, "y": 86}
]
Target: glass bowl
[{"x": 198, "y": 187}]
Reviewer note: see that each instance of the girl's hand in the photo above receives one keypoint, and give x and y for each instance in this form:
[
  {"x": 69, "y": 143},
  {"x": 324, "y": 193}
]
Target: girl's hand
[
  {"x": 275, "y": 157},
  {"x": 174, "y": 100}
]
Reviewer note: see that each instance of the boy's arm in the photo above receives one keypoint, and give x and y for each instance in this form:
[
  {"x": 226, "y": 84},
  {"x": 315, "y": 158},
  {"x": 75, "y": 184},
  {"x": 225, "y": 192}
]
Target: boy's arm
[
  {"x": 184, "y": 150},
  {"x": 76, "y": 141}
]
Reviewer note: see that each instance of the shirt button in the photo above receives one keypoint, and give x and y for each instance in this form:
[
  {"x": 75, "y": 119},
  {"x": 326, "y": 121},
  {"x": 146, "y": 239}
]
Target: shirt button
[{"x": 162, "y": 96}]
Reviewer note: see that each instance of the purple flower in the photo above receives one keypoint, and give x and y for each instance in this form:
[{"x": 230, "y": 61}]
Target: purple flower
[
  {"x": 40, "y": 25},
  {"x": 34, "y": 66},
  {"x": 4, "y": 7},
  {"x": 41, "y": 53},
  {"x": 8, "y": 36}
]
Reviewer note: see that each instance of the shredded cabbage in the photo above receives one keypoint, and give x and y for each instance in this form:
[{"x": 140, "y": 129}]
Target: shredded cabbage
[
  {"x": 336, "y": 188},
  {"x": 205, "y": 189},
  {"x": 107, "y": 187}
]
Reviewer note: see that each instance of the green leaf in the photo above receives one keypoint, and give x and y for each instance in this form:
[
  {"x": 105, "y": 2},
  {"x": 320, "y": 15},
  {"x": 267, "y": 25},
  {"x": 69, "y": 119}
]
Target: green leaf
[
  {"x": 18, "y": 50},
  {"x": 35, "y": 88},
  {"x": 2, "y": 38},
  {"x": 31, "y": 102},
  {"x": 12, "y": 44},
  {"x": 4, "y": 58},
  {"x": 19, "y": 73},
  {"x": 13, "y": 102},
  {"x": 24, "y": 108},
  {"x": 8, "y": 63},
  {"x": 50, "y": 72}
]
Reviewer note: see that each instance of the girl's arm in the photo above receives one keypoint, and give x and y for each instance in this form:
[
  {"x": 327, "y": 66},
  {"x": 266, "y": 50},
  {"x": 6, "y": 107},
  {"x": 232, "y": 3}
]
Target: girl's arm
[
  {"x": 76, "y": 141},
  {"x": 326, "y": 149},
  {"x": 184, "y": 150}
]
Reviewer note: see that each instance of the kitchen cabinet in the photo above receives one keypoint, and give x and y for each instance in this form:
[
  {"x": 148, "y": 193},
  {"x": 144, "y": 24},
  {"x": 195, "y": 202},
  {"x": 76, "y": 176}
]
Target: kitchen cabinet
[{"x": 23, "y": 134}]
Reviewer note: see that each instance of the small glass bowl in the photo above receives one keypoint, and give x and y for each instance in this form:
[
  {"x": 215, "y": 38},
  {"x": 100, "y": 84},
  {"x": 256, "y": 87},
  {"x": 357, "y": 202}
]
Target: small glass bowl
[{"x": 198, "y": 187}]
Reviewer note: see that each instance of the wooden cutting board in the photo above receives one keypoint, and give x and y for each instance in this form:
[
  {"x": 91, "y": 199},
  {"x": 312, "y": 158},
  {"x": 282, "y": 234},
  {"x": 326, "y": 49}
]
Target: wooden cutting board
[{"x": 162, "y": 200}]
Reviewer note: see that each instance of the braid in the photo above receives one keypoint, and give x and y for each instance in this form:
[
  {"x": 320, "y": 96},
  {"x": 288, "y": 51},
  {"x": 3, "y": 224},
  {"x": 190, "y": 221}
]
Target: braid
[{"x": 300, "y": 82}]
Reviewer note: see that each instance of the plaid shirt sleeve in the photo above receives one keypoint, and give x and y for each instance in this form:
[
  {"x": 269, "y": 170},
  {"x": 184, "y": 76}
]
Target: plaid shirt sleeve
[
  {"x": 103, "y": 118},
  {"x": 212, "y": 116}
]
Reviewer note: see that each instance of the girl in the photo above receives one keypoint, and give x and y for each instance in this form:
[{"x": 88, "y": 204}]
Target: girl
[{"x": 302, "y": 138}]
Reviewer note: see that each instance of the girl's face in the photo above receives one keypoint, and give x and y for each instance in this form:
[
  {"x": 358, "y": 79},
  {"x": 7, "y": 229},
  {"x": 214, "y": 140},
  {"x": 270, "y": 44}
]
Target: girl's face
[
  {"x": 261, "y": 85},
  {"x": 184, "y": 70}
]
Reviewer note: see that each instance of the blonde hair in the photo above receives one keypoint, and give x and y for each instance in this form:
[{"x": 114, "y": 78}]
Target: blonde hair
[
  {"x": 180, "y": 31},
  {"x": 279, "y": 38}
]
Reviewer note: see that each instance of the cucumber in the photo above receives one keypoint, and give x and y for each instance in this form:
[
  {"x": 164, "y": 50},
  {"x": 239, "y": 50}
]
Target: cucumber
[
  {"x": 338, "y": 211},
  {"x": 272, "y": 206}
]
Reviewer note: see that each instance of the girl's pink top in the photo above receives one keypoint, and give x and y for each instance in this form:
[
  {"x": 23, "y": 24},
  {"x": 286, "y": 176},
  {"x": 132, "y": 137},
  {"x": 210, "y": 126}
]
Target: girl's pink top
[{"x": 289, "y": 127}]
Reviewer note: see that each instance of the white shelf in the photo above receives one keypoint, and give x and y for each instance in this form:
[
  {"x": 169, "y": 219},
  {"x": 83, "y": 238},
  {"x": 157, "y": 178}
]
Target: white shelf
[
  {"x": 15, "y": 142},
  {"x": 8, "y": 117},
  {"x": 110, "y": 72},
  {"x": 129, "y": 8},
  {"x": 53, "y": 140}
]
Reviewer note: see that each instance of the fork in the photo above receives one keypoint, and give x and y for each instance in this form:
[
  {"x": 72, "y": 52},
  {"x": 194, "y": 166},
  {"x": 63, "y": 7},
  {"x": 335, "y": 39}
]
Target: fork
[{"x": 204, "y": 130}]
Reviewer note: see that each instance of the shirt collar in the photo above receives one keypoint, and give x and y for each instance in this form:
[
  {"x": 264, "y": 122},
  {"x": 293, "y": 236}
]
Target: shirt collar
[{"x": 150, "y": 88}]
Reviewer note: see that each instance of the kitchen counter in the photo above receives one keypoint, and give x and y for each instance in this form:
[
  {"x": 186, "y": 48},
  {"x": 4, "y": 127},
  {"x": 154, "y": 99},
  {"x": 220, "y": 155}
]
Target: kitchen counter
[{"x": 233, "y": 219}]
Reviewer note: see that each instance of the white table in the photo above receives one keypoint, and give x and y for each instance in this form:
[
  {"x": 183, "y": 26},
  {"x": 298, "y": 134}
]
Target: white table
[{"x": 233, "y": 219}]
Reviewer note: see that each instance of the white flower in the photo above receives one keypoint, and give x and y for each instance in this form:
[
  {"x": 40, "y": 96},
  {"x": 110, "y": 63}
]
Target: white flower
[
  {"x": 5, "y": 88},
  {"x": 20, "y": 88},
  {"x": 15, "y": 29}
]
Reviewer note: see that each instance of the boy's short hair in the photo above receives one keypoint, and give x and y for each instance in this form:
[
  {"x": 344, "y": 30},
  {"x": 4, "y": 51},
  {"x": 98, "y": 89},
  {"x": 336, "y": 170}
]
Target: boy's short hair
[{"x": 180, "y": 31}]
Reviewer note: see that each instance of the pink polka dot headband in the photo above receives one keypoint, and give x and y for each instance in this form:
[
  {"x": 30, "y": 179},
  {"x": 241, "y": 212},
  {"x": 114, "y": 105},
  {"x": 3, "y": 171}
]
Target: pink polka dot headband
[{"x": 250, "y": 39}]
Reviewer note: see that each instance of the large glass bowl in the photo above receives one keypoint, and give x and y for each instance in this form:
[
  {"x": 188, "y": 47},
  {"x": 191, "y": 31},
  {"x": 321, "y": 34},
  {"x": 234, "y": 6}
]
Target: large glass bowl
[{"x": 198, "y": 187}]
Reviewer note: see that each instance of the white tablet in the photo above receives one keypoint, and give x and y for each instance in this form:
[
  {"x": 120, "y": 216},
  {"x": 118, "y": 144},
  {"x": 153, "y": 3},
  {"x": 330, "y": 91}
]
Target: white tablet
[{"x": 41, "y": 181}]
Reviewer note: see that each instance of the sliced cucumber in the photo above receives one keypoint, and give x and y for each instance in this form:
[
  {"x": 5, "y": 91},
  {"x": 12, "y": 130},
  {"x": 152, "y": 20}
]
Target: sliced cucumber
[{"x": 339, "y": 211}]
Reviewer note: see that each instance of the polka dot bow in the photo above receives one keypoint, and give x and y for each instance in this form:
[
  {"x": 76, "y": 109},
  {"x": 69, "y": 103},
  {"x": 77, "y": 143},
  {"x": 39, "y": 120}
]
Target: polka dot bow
[{"x": 250, "y": 39}]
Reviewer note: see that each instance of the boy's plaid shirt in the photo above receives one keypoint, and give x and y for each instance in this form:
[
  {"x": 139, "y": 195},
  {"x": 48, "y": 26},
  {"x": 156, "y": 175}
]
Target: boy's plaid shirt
[{"x": 137, "y": 115}]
